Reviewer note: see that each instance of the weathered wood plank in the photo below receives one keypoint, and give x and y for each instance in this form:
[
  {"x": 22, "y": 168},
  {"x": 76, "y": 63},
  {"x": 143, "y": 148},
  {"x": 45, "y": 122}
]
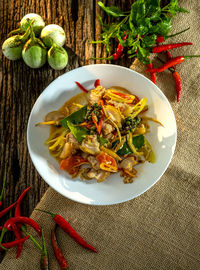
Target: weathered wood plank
[{"x": 20, "y": 86}]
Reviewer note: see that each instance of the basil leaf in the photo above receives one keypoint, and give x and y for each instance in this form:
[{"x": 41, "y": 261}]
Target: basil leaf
[
  {"x": 75, "y": 118},
  {"x": 79, "y": 132},
  {"x": 138, "y": 142},
  {"x": 112, "y": 10}
]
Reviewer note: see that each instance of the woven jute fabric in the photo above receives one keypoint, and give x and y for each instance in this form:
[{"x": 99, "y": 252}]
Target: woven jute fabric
[{"x": 158, "y": 230}]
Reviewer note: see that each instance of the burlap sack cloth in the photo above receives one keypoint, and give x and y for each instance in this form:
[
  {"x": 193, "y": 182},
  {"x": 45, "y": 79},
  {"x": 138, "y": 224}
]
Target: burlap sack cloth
[{"x": 160, "y": 229}]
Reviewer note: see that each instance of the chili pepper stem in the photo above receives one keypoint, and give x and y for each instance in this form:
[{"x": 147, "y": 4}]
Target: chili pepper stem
[
  {"x": 173, "y": 35},
  {"x": 23, "y": 228},
  {"x": 4, "y": 230},
  {"x": 44, "y": 211},
  {"x": 190, "y": 56}
]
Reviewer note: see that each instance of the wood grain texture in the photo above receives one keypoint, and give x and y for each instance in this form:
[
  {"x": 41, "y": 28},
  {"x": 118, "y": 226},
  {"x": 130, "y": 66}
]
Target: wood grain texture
[{"x": 20, "y": 85}]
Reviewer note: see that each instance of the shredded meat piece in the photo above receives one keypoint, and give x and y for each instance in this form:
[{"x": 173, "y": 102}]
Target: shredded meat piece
[
  {"x": 128, "y": 180},
  {"x": 128, "y": 163},
  {"x": 83, "y": 174},
  {"x": 90, "y": 145},
  {"x": 107, "y": 128},
  {"x": 67, "y": 151},
  {"x": 94, "y": 162},
  {"x": 100, "y": 175},
  {"x": 71, "y": 139},
  {"x": 96, "y": 94}
]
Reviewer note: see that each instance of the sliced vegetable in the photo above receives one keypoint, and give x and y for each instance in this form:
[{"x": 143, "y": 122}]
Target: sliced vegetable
[
  {"x": 118, "y": 96},
  {"x": 107, "y": 163},
  {"x": 118, "y": 132},
  {"x": 72, "y": 162},
  {"x": 131, "y": 145},
  {"x": 148, "y": 152},
  {"x": 137, "y": 141},
  {"x": 110, "y": 152},
  {"x": 152, "y": 119},
  {"x": 97, "y": 125},
  {"x": 138, "y": 107}
]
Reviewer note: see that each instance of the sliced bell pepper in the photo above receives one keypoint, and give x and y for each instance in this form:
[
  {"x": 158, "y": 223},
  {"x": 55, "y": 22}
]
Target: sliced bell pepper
[
  {"x": 138, "y": 107},
  {"x": 110, "y": 152},
  {"x": 120, "y": 97},
  {"x": 97, "y": 125}
]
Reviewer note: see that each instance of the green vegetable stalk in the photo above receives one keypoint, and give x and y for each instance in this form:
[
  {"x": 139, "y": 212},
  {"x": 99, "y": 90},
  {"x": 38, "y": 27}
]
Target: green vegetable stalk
[
  {"x": 34, "y": 52},
  {"x": 12, "y": 47}
]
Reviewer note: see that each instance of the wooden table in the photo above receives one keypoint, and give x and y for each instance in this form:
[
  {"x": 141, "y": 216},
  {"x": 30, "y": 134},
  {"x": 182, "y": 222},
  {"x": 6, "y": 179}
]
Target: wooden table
[{"x": 20, "y": 85}]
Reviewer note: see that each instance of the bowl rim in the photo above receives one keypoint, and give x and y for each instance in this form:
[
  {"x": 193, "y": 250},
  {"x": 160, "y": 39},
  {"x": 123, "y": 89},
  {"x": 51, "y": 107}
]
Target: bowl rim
[{"x": 114, "y": 202}]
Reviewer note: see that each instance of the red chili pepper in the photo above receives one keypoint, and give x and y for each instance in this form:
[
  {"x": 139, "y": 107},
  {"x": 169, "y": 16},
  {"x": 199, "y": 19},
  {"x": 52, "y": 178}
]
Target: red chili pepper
[
  {"x": 119, "y": 50},
  {"x": 44, "y": 264},
  {"x": 6, "y": 210},
  {"x": 82, "y": 87},
  {"x": 169, "y": 56},
  {"x": 18, "y": 236},
  {"x": 98, "y": 125},
  {"x": 63, "y": 224},
  {"x": 2, "y": 191},
  {"x": 177, "y": 79},
  {"x": 96, "y": 83},
  {"x": 153, "y": 75},
  {"x": 160, "y": 39},
  {"x": 166, "y": 47},
  {"x": 25, "y": 220},
  {"x": 17, "y": 209},
  {"x": 172, "y": 62},
  {"x": 58, "y": 253},
  {"x": 14, "y": 243}
]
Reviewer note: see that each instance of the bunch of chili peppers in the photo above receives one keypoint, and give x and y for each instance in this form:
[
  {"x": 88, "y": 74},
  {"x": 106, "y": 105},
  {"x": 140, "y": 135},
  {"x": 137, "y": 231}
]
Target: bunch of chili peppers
[
  {"x": 17, "y": 225},
  {"x": 170, "y": 63}
]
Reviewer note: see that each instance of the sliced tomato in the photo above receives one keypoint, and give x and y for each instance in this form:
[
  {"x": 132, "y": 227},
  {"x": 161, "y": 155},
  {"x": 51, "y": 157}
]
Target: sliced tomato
[
  {"x": 107, "y": 163},
  {"x": 72, "y": 163}
]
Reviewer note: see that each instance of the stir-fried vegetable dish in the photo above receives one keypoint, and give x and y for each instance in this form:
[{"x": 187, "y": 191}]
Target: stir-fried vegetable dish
[{"x": 99, "y": 133}]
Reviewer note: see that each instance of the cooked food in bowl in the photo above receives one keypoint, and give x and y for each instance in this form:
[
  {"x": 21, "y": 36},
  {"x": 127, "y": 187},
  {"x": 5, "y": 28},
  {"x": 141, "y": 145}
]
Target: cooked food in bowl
[{"x": 99, "y": 133}]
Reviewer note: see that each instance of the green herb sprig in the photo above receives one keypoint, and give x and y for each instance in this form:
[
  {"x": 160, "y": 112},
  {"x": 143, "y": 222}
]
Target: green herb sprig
[{"x": 146, "y": 20}]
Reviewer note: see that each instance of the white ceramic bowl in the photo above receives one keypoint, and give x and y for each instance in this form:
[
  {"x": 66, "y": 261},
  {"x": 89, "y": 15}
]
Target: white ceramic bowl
[{"x": 113, "y": 190}]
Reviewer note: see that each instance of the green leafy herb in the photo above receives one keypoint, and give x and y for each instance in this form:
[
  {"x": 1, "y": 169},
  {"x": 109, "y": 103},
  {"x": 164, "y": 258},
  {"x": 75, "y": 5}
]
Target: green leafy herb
[
  {"x": 111, "y": 11},
  {"x": 79, "y": 132},
  {"x": 75, "y": 118},
  {"x": 102, "y": 140},
  {"x": 138, "y": 142},
  {"x": 146, "y": 20}
]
